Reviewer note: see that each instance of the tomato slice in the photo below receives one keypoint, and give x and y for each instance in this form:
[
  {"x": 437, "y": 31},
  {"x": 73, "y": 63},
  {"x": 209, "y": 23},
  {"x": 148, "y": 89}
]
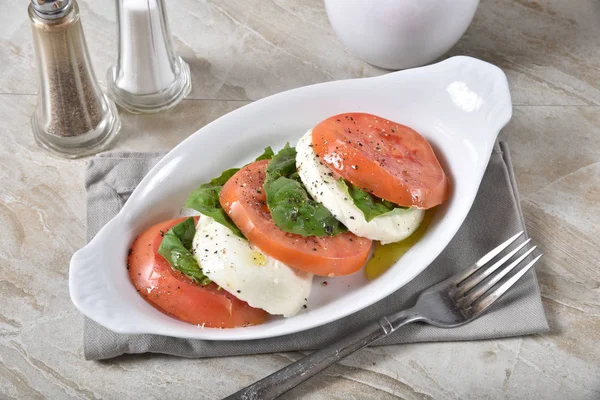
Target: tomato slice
[
  {"x": 244, "y": 199},
  {"x": 175, "y": 294},
  {"x": 389, "y": 160}
]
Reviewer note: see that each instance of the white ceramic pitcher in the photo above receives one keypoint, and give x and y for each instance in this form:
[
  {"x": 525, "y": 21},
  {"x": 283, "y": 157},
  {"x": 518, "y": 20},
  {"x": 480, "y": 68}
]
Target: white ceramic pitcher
[{"x": 399, "y": 34}]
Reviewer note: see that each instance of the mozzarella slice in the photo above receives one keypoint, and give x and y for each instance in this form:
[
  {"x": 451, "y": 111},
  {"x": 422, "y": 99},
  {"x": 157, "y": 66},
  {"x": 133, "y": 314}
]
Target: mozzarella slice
[
  {"x": 323, "y": 186},
  {"x": 244, "y": 271}
]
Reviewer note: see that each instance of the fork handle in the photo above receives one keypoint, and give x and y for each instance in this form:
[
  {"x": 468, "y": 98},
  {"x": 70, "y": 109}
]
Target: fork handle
[{"x": 301, "y": 370}]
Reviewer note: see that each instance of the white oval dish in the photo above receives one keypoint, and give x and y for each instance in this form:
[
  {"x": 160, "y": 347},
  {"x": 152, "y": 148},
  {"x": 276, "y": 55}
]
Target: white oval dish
[{"x": 459, "y": 105}]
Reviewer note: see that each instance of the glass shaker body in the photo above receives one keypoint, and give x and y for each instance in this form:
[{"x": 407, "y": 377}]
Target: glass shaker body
[
  {"x": 73, "y": 117},
  {"x": 148, "y": 75}
]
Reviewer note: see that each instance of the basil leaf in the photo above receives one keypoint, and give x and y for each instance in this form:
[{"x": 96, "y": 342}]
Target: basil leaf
[
  {"x": 292, "y": 209},
  {"x": 205, "y": 198},
  {"x": 176, "y": 248},
  {"x": 282, "y": 164},
  {"x": 371, "y": 206},
  {"x": 266, "y": 155}
]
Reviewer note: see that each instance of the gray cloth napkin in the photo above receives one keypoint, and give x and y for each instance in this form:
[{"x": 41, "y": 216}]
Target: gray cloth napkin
[{"x": 495, "y": 216}]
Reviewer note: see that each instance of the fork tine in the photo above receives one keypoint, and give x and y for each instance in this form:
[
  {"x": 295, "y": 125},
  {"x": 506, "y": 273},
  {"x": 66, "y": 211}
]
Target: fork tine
[
  {"x": 488, "y": 299},
  {"x": 473, "y": 280},
  {"x": 485, "y": 259},
  {"x": 481, "y": 289}
]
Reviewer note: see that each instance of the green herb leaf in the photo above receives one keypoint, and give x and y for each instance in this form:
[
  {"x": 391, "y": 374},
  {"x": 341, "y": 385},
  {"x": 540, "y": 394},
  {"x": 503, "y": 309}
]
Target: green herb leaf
[
  {"x": 282, "y": 164},
  {"x": 205, "y": 198},
  {"x": 371, "y": 206},
  {"x": 292, "y": 209},
  {"x": 176, "y": 248},
  {"x": 266, "y": 155}
]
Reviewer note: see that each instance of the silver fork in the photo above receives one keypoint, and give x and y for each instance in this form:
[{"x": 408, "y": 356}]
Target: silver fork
[{"x": 451, "y": 303}]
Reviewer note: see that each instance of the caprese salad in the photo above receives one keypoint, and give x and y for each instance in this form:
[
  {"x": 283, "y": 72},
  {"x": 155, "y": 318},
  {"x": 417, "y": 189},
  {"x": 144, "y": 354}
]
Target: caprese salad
[{"x": 262, "y": 231}]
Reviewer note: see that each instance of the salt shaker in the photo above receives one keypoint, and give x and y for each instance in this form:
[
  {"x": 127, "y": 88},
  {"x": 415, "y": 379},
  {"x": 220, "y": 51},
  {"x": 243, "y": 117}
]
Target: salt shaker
[
  {"x": 73, "y": 117},
  {"x": 148, "y": 76}
]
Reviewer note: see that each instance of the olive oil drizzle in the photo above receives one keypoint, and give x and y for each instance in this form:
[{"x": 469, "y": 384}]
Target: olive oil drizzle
[{"x": 386, "y": 255}]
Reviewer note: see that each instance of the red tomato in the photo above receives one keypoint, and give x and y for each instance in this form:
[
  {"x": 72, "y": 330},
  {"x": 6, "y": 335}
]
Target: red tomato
[
  {"x": 174, "y": 293},
  {"x": 389, "y": 160},
  {"x": 244, "y": 199}
]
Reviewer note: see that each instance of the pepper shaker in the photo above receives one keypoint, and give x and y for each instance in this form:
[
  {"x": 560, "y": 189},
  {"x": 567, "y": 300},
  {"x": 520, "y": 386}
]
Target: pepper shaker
[
  {"x": 148, "y": 75},
  {"x": 73, "y": 117}
]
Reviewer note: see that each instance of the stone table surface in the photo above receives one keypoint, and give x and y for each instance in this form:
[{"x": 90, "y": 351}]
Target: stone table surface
[{"x": 243, "y": 50}]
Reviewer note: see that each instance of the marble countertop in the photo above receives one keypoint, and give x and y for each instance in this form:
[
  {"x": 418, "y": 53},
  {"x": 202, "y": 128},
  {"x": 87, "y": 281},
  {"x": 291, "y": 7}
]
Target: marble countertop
[{"x": 240, "y": 51}]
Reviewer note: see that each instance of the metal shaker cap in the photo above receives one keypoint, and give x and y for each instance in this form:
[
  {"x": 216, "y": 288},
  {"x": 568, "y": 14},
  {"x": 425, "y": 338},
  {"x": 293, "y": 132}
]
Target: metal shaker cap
[{"x": 51, "y": 9}]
